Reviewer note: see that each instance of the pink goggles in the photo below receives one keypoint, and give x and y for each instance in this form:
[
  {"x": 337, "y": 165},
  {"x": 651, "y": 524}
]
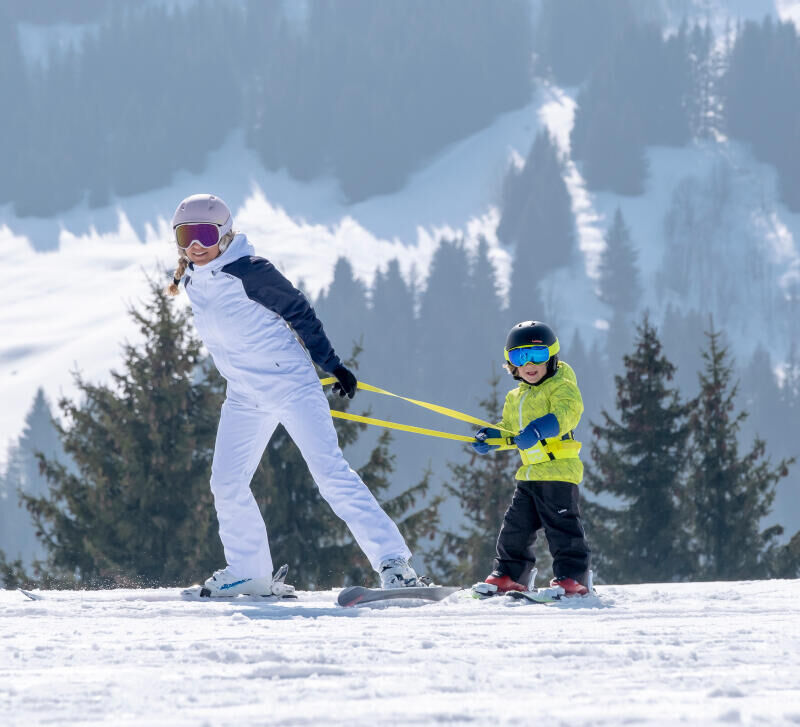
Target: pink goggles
[{"x": 206, "y": 234}]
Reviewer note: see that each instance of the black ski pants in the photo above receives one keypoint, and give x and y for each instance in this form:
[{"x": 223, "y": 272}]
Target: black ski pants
[{"x": 551, "y": 505}]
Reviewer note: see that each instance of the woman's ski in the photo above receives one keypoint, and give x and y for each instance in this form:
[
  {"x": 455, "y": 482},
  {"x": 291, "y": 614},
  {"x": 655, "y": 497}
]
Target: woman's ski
[{"x": 356, "y": 595}]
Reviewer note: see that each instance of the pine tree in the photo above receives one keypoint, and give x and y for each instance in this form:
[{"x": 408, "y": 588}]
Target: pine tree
[
  {"x": 790, "y": 389},
  {"x": 619, "y": 274},
  {"x": 482, "y": 309},
  {"x": 572, "y": 35},
  {"x": 537, "y": 212},
  {"x": 608, "y": 136},
  {"x": 593, "y": 379},
  {"x": 341, "y": 307},
  {"x": 637, "y": 95},
  {"x": 39, "y": 437},
  {"x": 619, "y": 285},
  {"x": 640, "y": 460},
  {"x": 440, "y": 328},
  {"x": 730, "y": 495},
  {"x": 138, "y": 509},
  {"x": 390, "y": 318},
  {"x": 701, "y": 103},
  {"x": 483, "y": 488},
  {"x": 761, "y": 98},
  {"x": 783, "y": 561},
  {"x": 7, "y": 512}
]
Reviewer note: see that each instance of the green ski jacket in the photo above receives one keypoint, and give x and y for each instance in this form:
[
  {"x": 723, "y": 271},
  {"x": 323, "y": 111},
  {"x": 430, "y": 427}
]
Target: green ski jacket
[{"x": 558, "y": 395}]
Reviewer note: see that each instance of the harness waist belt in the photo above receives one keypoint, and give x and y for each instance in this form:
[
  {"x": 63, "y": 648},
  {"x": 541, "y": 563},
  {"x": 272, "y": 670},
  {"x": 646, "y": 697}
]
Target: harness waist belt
[{"x": 544, "y": 451}]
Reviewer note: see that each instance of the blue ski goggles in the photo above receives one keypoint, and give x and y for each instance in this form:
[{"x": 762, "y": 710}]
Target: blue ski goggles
[{"x": 536, "y": 354}]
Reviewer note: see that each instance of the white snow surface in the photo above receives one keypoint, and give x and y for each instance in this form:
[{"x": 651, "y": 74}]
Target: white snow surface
[{"x": 661, "y": 654}]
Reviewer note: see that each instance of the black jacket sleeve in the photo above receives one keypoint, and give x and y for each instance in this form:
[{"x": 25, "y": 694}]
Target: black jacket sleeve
[{"x": 264, "y": 284}]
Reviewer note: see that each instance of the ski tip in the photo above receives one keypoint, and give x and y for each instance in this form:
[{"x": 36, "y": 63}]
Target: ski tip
[
  {"x": 30, "y": 595},
  {"x": 483, "y": 590},
  {"x": 195, "y": 593},
  {"x": 350, "y": 596}
]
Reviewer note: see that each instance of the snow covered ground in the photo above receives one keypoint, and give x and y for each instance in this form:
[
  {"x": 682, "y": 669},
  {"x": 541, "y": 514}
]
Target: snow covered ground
[{"x": 664, "y": 654}]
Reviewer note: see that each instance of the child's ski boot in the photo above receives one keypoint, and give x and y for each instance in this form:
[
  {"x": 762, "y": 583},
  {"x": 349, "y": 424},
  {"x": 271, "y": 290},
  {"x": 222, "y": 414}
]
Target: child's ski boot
[
  {"x": 570, "y": 586},
  {"x": 495, "y": 584}
]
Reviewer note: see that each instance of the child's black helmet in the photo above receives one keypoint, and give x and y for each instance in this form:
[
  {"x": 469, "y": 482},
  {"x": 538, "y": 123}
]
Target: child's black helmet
[
  {"x": 534, "y": 334},
  {"x": 530, "y": 332}
]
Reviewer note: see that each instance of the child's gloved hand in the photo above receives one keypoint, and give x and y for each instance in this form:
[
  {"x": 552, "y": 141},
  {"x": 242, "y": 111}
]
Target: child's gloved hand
[
  {"x": 347, "y": 384},
  {"x": 479, "y": 445},
  {"x": 541, "y": 428}
]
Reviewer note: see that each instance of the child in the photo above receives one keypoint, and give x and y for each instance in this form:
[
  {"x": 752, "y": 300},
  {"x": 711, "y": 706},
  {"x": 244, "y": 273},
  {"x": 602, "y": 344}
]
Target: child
[
  {"x": 243, "y": 309},
  {"x": 544, "y": 408}
]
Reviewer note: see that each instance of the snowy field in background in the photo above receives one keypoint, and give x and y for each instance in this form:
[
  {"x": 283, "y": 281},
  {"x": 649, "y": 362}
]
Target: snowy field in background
[{"x": 665, "y": 654}]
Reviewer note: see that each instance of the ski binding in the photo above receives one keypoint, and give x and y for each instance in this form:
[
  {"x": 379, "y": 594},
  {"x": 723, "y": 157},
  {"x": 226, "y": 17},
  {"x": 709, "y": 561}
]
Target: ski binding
[
  {"x": 541, "y": 595},
  {"x": 201, "y": 593}
]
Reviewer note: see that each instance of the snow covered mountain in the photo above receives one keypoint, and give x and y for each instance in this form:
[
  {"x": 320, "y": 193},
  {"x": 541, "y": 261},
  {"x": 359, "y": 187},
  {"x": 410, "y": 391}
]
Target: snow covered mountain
[
  {"x": 71, "y": 279},
  {"x": 657, "y": 654},
  {"x": 66, "y": 308}
]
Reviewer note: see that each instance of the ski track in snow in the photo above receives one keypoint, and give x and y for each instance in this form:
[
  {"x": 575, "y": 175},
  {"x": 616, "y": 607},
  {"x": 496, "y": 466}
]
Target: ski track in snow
[{"x": 663, "y": 654}]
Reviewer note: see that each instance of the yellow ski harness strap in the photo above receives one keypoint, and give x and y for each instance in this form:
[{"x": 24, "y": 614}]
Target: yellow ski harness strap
[
  {"x": 566, "y": 448},
  {"x": 501, "y": 442},
  {"x": 544, "y": 451}
]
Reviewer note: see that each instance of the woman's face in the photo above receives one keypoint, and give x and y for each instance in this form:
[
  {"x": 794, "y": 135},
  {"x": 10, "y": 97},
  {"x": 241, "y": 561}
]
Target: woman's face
[
  {"x": 532, "y": 372},
  {"x": 200, "y": 255}
]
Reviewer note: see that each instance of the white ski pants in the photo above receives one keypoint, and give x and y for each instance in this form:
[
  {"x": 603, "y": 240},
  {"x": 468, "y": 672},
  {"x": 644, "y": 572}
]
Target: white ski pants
[{"x": 244, "y": 430}]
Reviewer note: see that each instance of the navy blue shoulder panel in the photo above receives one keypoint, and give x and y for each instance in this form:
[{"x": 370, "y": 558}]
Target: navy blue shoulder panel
[{"x": 265, "y": 284}]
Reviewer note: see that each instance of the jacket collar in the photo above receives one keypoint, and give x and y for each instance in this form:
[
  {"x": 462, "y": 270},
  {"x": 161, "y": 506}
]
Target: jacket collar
[{"x": 239, "y": 247}]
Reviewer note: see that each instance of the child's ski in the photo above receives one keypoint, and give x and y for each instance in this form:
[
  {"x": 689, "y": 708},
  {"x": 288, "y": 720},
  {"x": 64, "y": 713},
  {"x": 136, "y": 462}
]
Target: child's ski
[
  {"x": 541, "y": 595},
  {"x": 355, "y": 595},
  {"x": 550, "y": 594}
]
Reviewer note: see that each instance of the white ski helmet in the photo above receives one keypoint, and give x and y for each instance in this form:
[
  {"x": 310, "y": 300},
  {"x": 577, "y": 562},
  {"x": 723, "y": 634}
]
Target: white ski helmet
[{"x": 204, "y": 208}]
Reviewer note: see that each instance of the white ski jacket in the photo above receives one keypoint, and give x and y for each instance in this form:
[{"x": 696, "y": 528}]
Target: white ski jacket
[{"x": 242, "y": 305}]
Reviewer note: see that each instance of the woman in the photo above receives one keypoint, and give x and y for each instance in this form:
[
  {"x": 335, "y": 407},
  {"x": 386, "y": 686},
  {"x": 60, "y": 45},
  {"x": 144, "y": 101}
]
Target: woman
[{"x": 249, "y": 317}]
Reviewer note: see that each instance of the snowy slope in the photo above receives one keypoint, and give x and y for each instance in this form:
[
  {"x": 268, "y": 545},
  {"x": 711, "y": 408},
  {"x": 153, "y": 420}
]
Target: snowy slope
[{"x": 687, "y": 654}]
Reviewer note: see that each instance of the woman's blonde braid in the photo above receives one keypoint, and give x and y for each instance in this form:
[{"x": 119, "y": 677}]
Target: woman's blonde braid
[{"x": 172, "y": 288}]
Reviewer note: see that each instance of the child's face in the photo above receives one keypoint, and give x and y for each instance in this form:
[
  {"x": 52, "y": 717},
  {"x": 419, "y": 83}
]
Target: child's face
[
  {"x": 200, "y": 255},
  {"x": 532, "y": 372}
]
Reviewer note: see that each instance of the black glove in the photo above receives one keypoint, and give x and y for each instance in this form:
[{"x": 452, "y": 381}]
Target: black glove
[{"x": 346, "y": 384}]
